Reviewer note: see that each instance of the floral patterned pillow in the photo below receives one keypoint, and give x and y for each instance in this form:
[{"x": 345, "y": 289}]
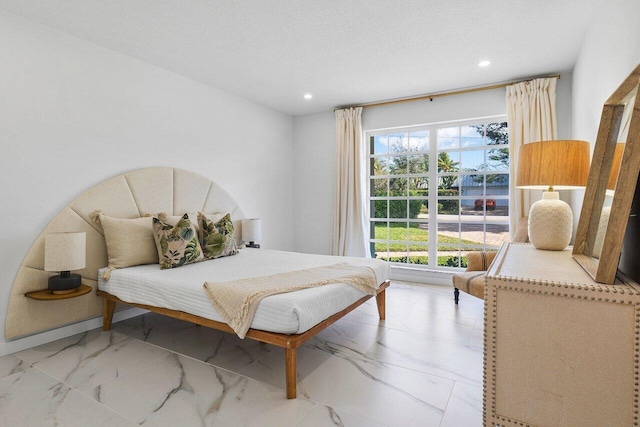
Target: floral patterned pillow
[
  {"x": 178, "y": 244},
  {"x": 218, "y": 239}
]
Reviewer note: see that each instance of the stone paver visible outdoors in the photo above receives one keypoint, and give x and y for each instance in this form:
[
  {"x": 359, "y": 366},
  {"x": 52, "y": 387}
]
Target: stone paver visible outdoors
[
  {"x": 493, "y": 237},
  {"x": 496, "y": 234}
]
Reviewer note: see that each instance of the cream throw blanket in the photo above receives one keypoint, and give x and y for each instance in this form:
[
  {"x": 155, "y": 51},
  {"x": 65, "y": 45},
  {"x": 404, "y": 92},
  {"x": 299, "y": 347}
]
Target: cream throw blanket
[{"x": 237, "y": 301}]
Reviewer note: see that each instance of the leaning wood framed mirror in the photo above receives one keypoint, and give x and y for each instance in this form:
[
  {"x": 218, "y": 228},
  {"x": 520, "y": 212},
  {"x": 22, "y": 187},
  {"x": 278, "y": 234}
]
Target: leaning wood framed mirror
[{"x": 611, "y": 183}]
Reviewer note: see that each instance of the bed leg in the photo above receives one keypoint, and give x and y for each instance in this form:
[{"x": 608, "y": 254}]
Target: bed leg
[
  {"x": 381, "y": 299},
  {"x": 291, "y": 374},
  {"x": 108, "y": 308}
]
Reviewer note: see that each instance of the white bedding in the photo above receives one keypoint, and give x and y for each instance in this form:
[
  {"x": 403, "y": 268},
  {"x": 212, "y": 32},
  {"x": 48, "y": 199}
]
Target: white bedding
[{"x": 291, "y": 313}]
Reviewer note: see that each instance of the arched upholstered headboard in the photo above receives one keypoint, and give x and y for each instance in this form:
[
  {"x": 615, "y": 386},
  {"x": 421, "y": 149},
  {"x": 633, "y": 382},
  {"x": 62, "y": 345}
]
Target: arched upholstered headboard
[{"x": 130, "y": 195}]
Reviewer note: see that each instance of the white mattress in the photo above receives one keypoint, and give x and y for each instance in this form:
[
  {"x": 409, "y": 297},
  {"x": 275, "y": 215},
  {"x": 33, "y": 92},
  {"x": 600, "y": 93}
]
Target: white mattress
[{"x": 290, "y": 313}]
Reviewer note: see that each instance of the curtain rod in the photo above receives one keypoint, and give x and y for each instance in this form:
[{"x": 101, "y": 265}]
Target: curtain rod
[{"x": 442, "y": 94}]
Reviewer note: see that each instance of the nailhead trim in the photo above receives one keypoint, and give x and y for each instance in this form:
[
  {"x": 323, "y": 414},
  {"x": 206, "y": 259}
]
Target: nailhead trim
[{"x": 550, "y": 288}]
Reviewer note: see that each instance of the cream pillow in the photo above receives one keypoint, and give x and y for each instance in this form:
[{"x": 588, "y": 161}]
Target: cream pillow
[{"x": 129, "y": 241}]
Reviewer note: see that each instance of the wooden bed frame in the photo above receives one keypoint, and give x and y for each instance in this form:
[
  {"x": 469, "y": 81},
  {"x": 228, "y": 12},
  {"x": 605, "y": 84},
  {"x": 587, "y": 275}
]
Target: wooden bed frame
[
  {"x": 127, "y": 196},
  {"x": 290, "y": 342}
]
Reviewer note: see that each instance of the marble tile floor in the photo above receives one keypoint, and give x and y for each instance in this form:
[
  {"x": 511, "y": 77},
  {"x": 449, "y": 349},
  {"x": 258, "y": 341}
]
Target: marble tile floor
[{"x": 420, "y": 367}]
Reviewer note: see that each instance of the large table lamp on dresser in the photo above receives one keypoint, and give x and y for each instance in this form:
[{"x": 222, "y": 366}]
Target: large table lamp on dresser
[{"x": 550, "y": 166}]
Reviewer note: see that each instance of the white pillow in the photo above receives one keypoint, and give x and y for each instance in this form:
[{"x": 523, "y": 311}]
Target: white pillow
[{"x": 129, "y": 241}]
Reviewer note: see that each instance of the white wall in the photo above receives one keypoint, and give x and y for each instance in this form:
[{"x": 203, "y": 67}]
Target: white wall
[
  {"x": 456, "y": 107},
  {"x": 314, "y": 142},
  {"x": 313, "y": 169},
  {"x": 610, "y": 51},
  {"x": 73, "y": 114}
]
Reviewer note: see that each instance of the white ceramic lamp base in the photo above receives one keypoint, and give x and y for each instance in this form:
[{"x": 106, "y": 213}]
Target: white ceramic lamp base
[{"x": 550, "y": 223}]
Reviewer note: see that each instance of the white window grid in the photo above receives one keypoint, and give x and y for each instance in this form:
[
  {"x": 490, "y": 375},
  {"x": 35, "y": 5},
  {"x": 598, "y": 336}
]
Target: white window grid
[{"x": 435, "y": 221}]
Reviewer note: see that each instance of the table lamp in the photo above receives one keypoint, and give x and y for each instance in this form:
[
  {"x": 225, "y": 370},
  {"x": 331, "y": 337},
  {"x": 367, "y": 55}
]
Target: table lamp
[
  {"x": 552, "y": 165},
  {"x": 252, "y": 232},
  {"x": 64, "y": 252}
]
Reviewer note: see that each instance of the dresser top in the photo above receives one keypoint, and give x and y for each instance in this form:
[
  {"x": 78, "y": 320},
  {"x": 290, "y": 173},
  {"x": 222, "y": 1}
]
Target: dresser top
[{"x": 524, "y": 262}]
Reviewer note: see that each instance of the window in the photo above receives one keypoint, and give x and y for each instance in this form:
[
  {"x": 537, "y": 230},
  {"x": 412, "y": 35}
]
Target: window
[{"x": 438, "y": 192}]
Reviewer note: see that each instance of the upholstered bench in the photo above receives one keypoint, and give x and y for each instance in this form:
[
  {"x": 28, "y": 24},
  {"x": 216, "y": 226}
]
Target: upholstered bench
[{"x": 472, "y": 280}]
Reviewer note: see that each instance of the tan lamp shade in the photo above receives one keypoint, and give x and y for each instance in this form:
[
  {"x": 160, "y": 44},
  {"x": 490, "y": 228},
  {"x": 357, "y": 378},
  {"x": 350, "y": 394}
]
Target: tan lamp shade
[
  {"x": 65, "y": 251},
  {"x": 554, "y": 165}
]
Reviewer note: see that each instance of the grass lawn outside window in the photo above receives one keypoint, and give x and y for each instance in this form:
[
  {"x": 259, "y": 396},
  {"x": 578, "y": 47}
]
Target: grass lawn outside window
[{"x": 399, "y": 232}]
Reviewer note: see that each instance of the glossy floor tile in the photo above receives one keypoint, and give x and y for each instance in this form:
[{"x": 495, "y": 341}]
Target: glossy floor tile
[
  {"x": 30, "y": 397},
  {"x": 422, "y": 366}
]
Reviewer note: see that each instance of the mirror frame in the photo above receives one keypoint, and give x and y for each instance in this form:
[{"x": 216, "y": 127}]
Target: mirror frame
[{"x": 604, "y": 269}]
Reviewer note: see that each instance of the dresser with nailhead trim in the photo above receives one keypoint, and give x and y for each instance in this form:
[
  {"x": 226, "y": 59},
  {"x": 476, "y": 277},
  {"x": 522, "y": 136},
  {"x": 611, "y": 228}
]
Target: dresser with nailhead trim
[{"x": 559, "y": 348}]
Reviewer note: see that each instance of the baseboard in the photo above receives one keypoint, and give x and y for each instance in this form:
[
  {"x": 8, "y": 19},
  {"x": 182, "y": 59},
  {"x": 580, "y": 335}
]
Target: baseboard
[
  {"x": 65, "y": 331},
  {"x": 431, "y": 277}
]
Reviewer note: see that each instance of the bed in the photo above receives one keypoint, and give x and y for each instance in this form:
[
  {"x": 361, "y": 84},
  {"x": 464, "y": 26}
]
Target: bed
[{"x": 287, "y": 320}]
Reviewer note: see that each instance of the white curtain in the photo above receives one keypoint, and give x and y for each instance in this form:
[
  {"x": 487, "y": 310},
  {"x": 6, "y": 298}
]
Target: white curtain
[
  {"x": 349, "y": 225},
  {"x": 531, "y": 114}
]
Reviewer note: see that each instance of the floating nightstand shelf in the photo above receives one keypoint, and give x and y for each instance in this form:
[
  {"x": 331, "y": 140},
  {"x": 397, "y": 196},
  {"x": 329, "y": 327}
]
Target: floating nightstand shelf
[{"x": 48, "y": 295}]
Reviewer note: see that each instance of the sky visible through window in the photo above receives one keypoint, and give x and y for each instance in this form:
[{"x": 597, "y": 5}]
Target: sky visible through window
[{"x": 451, "y": 138}]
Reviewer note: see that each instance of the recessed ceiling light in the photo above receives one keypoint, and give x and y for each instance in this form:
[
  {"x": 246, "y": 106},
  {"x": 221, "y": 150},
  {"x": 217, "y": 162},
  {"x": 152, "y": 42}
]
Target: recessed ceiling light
[
  {"x": 483, "y": 63},
  {"x": 308, "y": 96}
]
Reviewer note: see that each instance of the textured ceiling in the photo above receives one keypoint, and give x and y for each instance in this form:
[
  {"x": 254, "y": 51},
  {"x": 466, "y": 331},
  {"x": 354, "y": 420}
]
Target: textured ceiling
[{"x": 341, "y": 51}]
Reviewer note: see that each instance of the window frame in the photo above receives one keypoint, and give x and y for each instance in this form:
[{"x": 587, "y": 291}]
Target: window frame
[{"x": 433, "y": 221}]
